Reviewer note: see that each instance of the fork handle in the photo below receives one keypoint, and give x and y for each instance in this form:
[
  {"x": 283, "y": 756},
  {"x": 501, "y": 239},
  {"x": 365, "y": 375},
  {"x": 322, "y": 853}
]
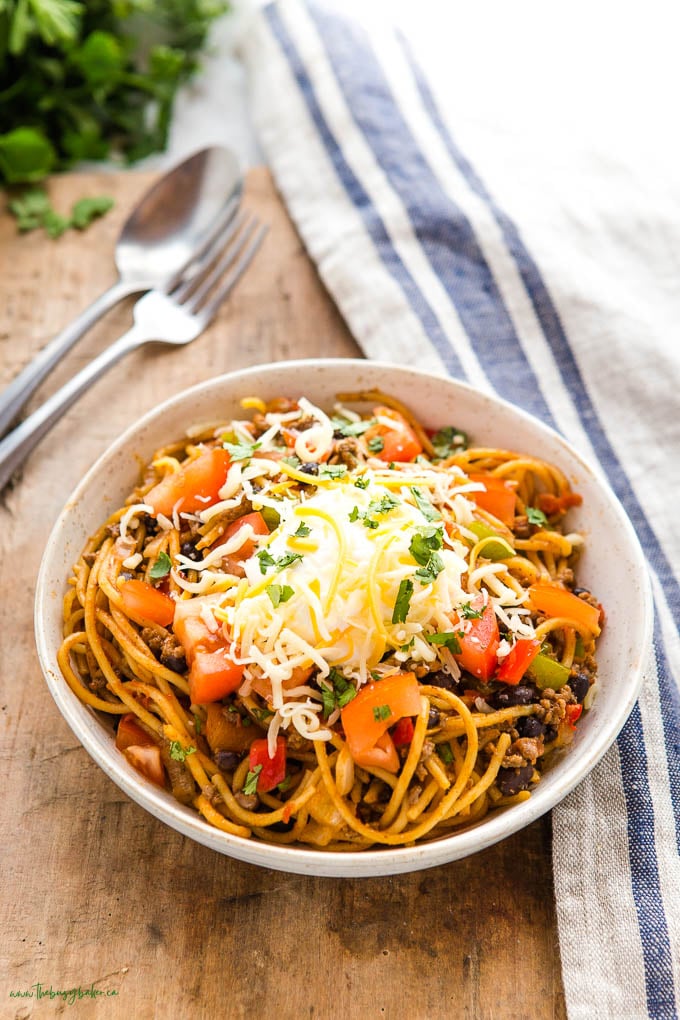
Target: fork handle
[
  {"x": 23, "y": 386},
  {"x": 16, "y": 446}
]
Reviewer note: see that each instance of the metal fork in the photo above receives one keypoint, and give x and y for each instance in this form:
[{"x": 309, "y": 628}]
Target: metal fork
[{"x": 176, "y": 317}]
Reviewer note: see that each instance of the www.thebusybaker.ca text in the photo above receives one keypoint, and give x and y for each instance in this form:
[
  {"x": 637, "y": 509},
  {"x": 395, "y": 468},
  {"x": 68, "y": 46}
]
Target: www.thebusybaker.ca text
[{"x": 69, "y": 995}]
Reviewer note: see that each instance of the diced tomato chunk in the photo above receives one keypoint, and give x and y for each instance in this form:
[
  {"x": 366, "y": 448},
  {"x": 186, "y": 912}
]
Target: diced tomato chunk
[
  {"x": 402, "y": 733},
  {"x": 376, "y": 708},
  {"x": 398, "y": 444},
  {"x": 130, "y": 733},
  {"x": 213, "y": 675},
  {"x": 147, "y": 760},
  {"x": 497, "y": 497},
  {"x": 573, "y": 712},
  {"x": 273, "y": 770},
  {"x": 194, "y": 487},
  {"x": 383, "y": 755},
  {"x": 235, "y": 560},
  {"x": 517, "y": 661},
  {"x": 479, "y": 644},
  {"x": 145, "y": 603},
  {"x": 551, "y": 505}
]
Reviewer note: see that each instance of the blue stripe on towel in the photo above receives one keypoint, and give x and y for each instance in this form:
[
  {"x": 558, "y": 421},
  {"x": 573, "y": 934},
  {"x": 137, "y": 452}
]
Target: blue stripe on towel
[
  {"x": 444, "y": 232},
  {"x": 669, "y": 697},
  {"x": 645, "y": 872},
  {"x": 362, "y": 202}
]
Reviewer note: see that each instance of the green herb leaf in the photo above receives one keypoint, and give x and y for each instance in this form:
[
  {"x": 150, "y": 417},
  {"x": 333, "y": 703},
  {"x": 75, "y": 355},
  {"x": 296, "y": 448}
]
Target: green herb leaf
[
  {"x": 468, "y": 613},
  {"x": 89, "y": 209},
  {"x": 353, "y": 515},
  {"x": 351, "y": 428},
  {"x": 424, "y": 505},
  {"x": 161, "y": 567},
  {"x": 279, "y": 593},
  {"x": 383, "y": 505},
  {"x": 376, "y": 444},
  {"x": 284, "y": 784},
  {"x": 449, "y": 639},
  {"x": 241, "y": 450},
  {"x": 429, "y": 573},
  {"x": 30, "y": 209},
  {"x": 424, "y": 543},
  {"x": 26, "y": 155},
  {"x": 403, "y": 601},
  {"x": 302, "y": 531},
  {"x": 267, "y": 560},
  {"x": 179, "y": 753},
  {"x": 449, "y": 440},
  {"x": 336, "y": 692},
  {"x": 536, "y": 516},
  {"x": 250, "y": 784},
  {"x": 362, "y": 482},
  {"x": 445, "y": 753},
  {"x": 332, "y": 470},
  {"x": 381, "y": 712}
]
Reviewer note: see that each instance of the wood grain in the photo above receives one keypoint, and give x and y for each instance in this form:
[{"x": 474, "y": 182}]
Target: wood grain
[{"x": 98, "y": 893}]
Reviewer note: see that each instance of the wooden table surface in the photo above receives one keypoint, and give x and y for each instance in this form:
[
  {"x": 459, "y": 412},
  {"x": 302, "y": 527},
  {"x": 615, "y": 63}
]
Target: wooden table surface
[{"x": 101, "y": 897}]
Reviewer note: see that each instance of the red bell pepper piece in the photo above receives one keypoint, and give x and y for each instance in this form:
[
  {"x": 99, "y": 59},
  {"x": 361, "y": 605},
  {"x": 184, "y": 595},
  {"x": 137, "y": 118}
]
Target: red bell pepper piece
[
  {"x": 478, "y": 646},
  {"x": 402, "y": 733},
  {"x": 517, "y": 661},
  {"x": 273, "y": 770}
]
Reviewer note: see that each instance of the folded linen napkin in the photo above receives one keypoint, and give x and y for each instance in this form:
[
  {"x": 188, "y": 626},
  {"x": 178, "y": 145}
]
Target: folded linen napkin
[{"x": 491, "y": 218}]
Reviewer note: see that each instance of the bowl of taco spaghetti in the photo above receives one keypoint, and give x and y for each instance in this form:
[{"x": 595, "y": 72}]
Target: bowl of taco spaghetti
[{"x": 345, "y": 619}]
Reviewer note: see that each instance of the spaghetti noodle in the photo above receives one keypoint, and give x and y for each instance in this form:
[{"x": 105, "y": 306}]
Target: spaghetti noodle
[{"x": 336, "y": 629}]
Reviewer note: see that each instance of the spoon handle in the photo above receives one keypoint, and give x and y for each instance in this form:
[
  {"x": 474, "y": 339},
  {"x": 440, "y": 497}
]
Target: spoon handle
[
  {"x": 16, "y": 446},
  {"x": 24, "y": 385}
]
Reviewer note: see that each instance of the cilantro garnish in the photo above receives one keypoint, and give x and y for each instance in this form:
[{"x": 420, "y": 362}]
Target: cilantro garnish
[
  {"x": 448, "y": 440},
  {"x": 536, "y": 516},
  {"x": 332, "y": 470},
  {"x": 339, "y": 694},
  {"x": 250, "y": 785},
  {"x": 32, "y": 209},
  {"x": 383, "y": 505},
  {"x": 423, "y": 548},
  {"x": 241, "y": 450},
  {"x": 351, "y": 428},
  {"x": 362, "y": 482},
  {"x": 279, "y": 593},
  {"x": 292, "y": 461},
  {"x": 468, "y": 613},
  {"x": 353, "y": 515},
  {"x": 445, "y": 753},
  {"x": 409, "y": 646},
  {"x": 429, "y": 573},
  {"x": 403, "y": 601},
  {"x": 381, "y": 712},
  {"x": 302, "y": 531},
  {"x": 161, "y": 567},
  {"x": 267, "y": 560},
  {"x": 424, "y": 505},
  {"x": 449, "y": 639},
  {"x": 179, "y": 753},
  {"x": 376, "y": 444}
]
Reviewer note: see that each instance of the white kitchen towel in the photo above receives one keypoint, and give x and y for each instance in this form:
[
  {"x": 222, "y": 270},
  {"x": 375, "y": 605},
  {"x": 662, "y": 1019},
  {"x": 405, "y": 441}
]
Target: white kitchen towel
[{"x": 492, "y": 193}]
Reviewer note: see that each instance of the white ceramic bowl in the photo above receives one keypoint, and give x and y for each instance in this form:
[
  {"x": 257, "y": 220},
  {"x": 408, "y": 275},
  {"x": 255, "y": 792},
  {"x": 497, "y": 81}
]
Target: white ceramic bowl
[{"x": 612, "y": 566}]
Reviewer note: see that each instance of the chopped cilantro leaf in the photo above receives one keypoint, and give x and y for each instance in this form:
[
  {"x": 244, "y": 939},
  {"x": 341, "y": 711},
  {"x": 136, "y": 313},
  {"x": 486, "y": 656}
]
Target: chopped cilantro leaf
[
  {"x": 383, "y": 505},
  {"x": 292, "y": 461},
  {"x": 250, "y": 785},
  {"x": 407, "y": 647},
  {"x": 449, "y": 639},
  {"x": 339, "y": 694},
  {"x": 376, "y": 444},
  {"x": 536, "y": 516},
  {"x": 362, "y": 482},
  {"x": 403, "y": 601},
  {"x": 424, "y": 505},
  {"x": 279, "y": 593},
  {"x": 179, "y": 753},
  {"x": 354, "y": 514},
  {"x": 332, "y": 470},
  {"x": 302, "y": 531},
  {"x": 424, "y": 543},
  {"x": 267, "y": 560},
  {"x": 449, "y": 440},
  {"x": 376, "y": 675},
  {"x": 445, "y": 753},
  {"x": 351, "y": 428},
  {"x": 370, "y": 522},
  {"x": 381, "y": 712},
  {"x": 468, "y": 613},
  {"x": 161, "y": 567},
  {"x": 241, "y": 451},
  {"x": 429, "y": 573}
]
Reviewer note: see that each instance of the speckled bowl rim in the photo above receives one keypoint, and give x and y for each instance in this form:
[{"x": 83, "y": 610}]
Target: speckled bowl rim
[{"x": 594, "y": 735}]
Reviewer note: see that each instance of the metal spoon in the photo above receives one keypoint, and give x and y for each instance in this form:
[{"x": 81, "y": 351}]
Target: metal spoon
[{"x": 172, "y": 224}]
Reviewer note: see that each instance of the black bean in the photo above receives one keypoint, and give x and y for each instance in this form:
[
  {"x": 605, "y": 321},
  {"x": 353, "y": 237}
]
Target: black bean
[
  {"x": 511, "y": 781},
  {"x": 529, "y": 726},
  {"x": 580, "y": 685},
  {"x": 311, "y": 468},
  {"x": 433, "y": 718},
  {"x": 175, "y": 661},
  {"x": 125, "y": 575},
  {"x": 550, "y": 735},
  {"x": 227, "y": 760},
  {"x": 189, "y": 550},
  {"x": 580, "y": 591},
  {"x": 508, "y": 696},
  {"x": 440, "y": 679}
]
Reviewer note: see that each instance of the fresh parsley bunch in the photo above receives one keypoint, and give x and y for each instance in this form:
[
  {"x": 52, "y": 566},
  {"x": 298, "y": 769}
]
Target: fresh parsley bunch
[{"x": 88, "y": 80}]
